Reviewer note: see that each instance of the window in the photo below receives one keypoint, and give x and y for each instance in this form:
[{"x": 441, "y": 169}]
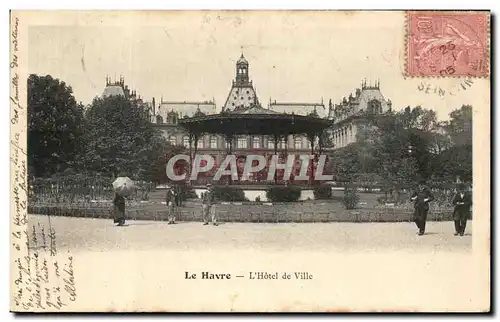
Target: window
[
  {"x": 242, "y": 143},
  {"x": 200, "y": 143},
  {"x": 374, "y": 107},
  {"x": 270, "y": 143},
  {"x": 172, "y": 118},
  {"x": 298, "y": 143},
  {"x": 256, "y": 142},
  {"x": 159, "y": 119},
  {"x": 308, "y": 144},
  {"x": 282, "y": 143},
  {"x": 227, "y": 142},
  {"x": 172, "y": 139},
  {"x": 213, "y": 142},
  {"x": 185, "y": 141}
]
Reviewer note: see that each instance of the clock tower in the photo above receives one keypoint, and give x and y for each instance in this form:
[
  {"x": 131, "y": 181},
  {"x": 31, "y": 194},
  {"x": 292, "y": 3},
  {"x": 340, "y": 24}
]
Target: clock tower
[
  {"x": 242, "y": 94},
  {"x": 242, "y": 71}
]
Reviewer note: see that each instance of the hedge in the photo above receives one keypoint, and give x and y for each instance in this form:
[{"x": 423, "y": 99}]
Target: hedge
[{"x": 283, "y": 194}]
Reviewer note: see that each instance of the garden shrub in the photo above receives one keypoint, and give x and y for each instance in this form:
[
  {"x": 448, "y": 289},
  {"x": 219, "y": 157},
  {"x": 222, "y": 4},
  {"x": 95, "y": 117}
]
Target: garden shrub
[
  {"x": 228, "y": 193},
  {"x": 283, "y": 194},
  {"x": 351, "y": 198},
  {"x": 322, "y": 192}
]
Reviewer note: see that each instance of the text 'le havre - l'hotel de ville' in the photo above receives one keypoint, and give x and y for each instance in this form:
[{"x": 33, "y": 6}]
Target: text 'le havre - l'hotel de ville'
[{"x": 242, "y": 97}]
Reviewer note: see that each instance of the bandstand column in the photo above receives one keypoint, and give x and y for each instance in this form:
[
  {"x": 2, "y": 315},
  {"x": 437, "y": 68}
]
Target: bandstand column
[
  {"x": 196, "y": 137},
  {"x": 276, "y": 142},
  {"x": 190, "y": 164},
  {"x": 229, "y": 140},
  {"x": 312, "y": 139}
]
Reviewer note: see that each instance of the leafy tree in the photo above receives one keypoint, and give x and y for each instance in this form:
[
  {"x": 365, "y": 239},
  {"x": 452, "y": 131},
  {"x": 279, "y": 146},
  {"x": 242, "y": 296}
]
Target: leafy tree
[
  {"x": 440, "y": 140},
  {"x": 459, "y": 126},
  {"x": 346, "y": 163},
  {"x": 157, "y": 172},
  {"x": 55, "y": 126},
  {"x": 403, "y": 144},
  {"x": 121, "y": 138},
  {"x": 456, "y": 161}
]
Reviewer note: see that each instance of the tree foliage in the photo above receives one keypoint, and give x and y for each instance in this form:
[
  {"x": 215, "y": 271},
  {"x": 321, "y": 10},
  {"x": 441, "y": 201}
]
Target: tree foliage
[
  {"x": 115, "y": 136},
  {"x": 121, "y": 139},
  {"x": 55, "y": 126},
  {"x": 400, "y": 148}
]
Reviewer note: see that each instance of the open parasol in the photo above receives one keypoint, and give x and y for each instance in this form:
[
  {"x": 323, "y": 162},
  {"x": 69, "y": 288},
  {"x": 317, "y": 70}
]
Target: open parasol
[{"x": 124, "y": 186}]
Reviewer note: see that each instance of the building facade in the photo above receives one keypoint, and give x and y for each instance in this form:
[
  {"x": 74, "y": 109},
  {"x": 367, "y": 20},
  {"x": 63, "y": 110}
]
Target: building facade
[
  {"x": 349, "y": 115},
  {"x": 242, "y": 96}
]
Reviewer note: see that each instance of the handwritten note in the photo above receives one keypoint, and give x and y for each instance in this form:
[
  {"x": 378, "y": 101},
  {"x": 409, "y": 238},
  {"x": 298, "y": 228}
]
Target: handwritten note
[
  {"x": 42, "y": 278},
  {"x": 43, "y": 281}
]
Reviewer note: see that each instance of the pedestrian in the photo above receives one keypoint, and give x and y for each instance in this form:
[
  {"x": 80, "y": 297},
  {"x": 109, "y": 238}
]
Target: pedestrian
[
  {"x": 119, "y": 205},
  {"x": 421, "y": 199},
  {"x": 170, "y": 200},
  {"x": 462, "y": 202},
  {"x": 208, "y": 200}
]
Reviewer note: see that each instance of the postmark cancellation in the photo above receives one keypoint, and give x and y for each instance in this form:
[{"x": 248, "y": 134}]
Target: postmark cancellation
[{"x": 447, "y": 43}]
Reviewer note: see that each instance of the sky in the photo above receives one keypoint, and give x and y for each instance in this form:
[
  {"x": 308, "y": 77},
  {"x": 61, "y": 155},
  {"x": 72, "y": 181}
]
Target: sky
[{"x": 190, "y": 56}]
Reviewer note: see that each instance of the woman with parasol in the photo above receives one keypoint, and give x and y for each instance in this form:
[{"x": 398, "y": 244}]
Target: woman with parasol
[{"x": 123, "y": 187}]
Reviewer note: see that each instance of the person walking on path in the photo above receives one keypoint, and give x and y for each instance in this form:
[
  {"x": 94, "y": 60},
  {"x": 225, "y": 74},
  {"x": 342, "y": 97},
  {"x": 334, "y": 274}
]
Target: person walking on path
[
  {"x": 421, "y": 199},
  {"x": 462, "y": 202},
  {"x": 170, "y": 200},
  {"x": 119, "y": 205},
  {"x": 208, "y": 200}
]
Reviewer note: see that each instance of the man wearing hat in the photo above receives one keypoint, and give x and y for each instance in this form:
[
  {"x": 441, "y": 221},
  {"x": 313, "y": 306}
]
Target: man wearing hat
[
  {"x": 208, "y": 200},
  {"x": 462, "y": 202},
  {"x": 421, "y": 199},
  {"x": 170, "y": 200}
]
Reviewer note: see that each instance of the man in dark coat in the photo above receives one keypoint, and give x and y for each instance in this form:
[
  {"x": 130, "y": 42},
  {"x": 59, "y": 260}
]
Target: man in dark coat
[
  {"x": 208, "y": 204},
  {"x": 119, "y": 203},
  {"x": 462, "y": 202},
  {"x": 421, "y": 199},
  {"x": 170, "y": 200}
]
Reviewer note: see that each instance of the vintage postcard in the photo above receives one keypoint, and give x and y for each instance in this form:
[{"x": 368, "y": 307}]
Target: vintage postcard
[{"x": 250, "y": 161}]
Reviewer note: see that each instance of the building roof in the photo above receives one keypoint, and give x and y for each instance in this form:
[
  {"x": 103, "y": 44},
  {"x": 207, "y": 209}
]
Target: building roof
[
  {"x": 185, "y": 108},
  {"x": 359, "y": 102},
  {"x": 113, "y": 90},
  {"x": 299, "y": 108}
]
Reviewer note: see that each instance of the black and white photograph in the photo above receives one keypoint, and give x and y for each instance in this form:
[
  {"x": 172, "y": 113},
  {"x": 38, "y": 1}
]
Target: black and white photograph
[{"x": 250, "y": 161}]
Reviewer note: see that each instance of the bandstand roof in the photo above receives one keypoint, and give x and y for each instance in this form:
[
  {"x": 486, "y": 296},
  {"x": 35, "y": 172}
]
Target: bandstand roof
[{"x": 254, "y": 120}]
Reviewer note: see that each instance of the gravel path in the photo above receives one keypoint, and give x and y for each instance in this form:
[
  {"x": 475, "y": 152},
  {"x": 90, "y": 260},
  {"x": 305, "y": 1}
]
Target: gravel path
[{"x": 80, "y": 234}]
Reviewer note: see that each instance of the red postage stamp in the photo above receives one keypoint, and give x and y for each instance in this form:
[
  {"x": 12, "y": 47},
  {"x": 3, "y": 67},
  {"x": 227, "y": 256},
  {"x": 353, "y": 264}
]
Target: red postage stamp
[{"x": 448, "y": 43}]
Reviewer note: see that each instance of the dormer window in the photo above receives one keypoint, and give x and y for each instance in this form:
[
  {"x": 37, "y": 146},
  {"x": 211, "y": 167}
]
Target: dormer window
[
  {"x": 374, "y": 107},
  {"x": 172, "y": 118}
]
